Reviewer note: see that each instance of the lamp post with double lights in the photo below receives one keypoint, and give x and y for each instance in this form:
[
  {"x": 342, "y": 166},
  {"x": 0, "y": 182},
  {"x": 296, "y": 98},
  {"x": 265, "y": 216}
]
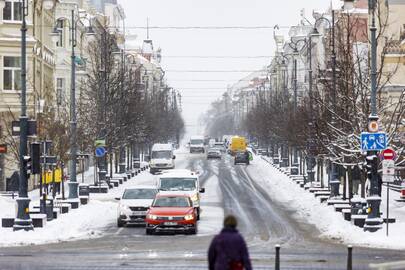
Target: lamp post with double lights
[
  {"x": 281, "y": 61},
  {"x": 294, "y": 45},
  {"x": 311, "y": 125},
  {"x": 23, "y": 220},
  {"x": 73, "y": 21},
  {"x": 334, "y": 181}
]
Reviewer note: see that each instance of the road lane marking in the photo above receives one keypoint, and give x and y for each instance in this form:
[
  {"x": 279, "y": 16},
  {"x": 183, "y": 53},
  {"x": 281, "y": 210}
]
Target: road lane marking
[{"x": 119, "y": 231}]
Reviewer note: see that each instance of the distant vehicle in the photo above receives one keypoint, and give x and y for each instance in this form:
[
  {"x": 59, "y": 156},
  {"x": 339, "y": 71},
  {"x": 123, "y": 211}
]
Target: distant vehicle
[
  {"x": 134, "y": 204},
  {"x": 211, "y": 143},
  {"x": 162, "y": 158},
  {"x": 262, "y": 151},
  {"x": 220, "y": 146},
  {"x": 238, "y": 144},
  {"x": 213, "y": 153},
  {"x": 181, "y": 182},
  {"x": 241, "y": 157},
  {"x": 197, "y": 144},
  {"x": 171, "y": 214}
]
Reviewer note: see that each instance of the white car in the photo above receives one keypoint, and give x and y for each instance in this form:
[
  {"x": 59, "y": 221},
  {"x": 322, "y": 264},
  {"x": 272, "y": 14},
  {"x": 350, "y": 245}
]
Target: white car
[
  {"x": 181, "y": 182},
  {"x": 134, "y": 204}
]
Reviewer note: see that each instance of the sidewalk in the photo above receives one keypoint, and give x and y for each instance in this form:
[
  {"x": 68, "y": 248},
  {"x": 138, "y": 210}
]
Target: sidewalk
[
  {"x": 83, "y": 223},
  {"x": 331, "y": 224}
]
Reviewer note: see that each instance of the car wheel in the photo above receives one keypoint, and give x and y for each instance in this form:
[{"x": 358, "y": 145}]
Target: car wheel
[
  {"x": 149, "y": 232},
  {"x": 120, "y": 223},
  {"x": 194, "y": 230}
]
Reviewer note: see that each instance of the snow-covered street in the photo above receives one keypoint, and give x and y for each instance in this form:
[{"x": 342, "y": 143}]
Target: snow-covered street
[{"x": 271, "y": 210}]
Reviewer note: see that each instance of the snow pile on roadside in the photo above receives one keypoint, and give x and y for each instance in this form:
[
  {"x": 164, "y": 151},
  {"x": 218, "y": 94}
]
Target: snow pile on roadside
[
  {"x": 88, "y": 221},
  {"x": 330, "y": 223}
]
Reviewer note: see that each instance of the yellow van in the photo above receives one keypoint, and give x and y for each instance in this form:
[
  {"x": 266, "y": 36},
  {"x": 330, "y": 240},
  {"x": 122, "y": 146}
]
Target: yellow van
[{"x": 238, "y": 144}]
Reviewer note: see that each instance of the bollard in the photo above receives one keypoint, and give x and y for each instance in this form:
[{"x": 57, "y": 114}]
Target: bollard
[
  {"x": 349, "y": 257},
  {"x": 277, "y": 263}
]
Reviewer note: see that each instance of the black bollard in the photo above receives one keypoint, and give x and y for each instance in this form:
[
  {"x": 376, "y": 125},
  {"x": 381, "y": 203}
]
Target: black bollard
[
  {"x": 277, "y": 264},
  {"x": 349, "y": 257}
]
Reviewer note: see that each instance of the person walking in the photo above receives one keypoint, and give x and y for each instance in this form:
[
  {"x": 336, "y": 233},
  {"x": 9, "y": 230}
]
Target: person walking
[{"x": 228, "y": 250}]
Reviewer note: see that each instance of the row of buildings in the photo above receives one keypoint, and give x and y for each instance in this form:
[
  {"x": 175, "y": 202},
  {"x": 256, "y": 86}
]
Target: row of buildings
[
  {"x": 51, "y": 24},
  {"x": 289, "y": 70}
]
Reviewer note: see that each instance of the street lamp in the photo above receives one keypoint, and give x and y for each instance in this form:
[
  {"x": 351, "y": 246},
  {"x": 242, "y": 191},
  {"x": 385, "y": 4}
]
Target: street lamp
[
  {"x": 334, "y": 181},
  {"x": 73, "y": 184}
]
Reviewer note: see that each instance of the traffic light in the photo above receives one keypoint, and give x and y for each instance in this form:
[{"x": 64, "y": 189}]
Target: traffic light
[
  {"x": 35, "y": 158},
  {"x": 28, "y": 165}
]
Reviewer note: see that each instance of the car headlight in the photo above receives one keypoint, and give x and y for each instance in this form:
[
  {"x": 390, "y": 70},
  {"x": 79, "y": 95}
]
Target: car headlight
[
  {"x": 194, "y": 197},
  {"x": 189, "y": 217},
  {"x": 154, "y": 217}
]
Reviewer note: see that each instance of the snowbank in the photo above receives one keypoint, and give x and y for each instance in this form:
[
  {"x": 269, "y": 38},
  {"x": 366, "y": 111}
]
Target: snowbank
[
  {"x": 330, "y": 223},
  {"x": 88, "y": 221}
]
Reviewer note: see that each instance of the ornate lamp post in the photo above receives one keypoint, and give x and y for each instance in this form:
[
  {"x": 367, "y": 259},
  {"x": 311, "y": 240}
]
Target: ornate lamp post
[{"x": 73, "y": 184}]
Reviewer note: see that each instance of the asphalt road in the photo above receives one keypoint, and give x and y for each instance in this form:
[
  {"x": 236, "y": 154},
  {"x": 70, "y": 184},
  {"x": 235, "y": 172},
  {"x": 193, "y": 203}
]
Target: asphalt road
[{"x": 262, "y": 221}]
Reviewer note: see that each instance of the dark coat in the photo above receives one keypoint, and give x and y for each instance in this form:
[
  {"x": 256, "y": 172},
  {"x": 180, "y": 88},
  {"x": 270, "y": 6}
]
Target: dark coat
[{"x": 225, "y": 247}]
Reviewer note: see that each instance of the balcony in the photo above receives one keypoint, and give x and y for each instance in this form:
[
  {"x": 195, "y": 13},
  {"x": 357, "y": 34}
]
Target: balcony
[{"x": 396, "y": 47}]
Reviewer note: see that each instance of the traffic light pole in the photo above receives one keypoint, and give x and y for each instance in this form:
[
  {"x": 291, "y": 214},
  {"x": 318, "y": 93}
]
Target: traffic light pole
[
  {"x": 373, "y": 221},
  {"x": 23, "y": 220}
]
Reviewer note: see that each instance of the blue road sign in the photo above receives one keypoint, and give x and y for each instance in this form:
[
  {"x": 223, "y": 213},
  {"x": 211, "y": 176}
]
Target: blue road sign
[
  {"x": 100, "y": 151},
  {"x": 373, "y": 141}
]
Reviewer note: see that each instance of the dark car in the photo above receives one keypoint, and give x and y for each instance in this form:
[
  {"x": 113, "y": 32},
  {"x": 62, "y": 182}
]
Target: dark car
[{"x": 242, "y": 157}]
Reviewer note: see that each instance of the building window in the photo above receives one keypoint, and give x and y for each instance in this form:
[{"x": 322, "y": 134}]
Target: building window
[
  {"x": 11, "y": 73},
  {"x": 60, "y": 90},
  {"x": 12, "y": 10},
  {"x": 60, "y": 28}
]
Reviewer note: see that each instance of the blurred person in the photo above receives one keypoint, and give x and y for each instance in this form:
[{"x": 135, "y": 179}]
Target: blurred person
[{"x": 228, "y": 250}]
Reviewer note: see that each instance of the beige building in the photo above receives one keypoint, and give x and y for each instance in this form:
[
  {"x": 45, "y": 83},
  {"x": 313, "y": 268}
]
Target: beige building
[{"x": 40, "y": 71}]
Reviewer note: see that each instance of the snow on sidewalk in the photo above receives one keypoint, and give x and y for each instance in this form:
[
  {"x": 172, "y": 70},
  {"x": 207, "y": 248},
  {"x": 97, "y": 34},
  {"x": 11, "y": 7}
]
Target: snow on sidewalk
[
  {"x": 330, "y": 223},
  {"x": 89, "y": 221}
]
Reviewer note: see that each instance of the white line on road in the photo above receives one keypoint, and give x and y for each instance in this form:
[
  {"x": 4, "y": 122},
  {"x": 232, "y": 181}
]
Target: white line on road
[{"x": 119, "y": 231}]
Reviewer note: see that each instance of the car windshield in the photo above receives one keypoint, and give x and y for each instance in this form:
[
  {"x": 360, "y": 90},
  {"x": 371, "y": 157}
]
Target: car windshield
[
  {"x": 139, "y": 194},
  {"x": 162, "y": 154},
  {"x": 197, "y": 141},
  {"x": 178, "y": 183},
  {"x": 171, "y": 202}
]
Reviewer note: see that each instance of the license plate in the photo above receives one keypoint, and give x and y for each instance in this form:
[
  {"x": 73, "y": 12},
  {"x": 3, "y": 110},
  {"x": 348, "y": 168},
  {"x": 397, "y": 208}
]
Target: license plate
[
  {"x": 170, "y": 223},
  {"x": 139, "y": 213}
]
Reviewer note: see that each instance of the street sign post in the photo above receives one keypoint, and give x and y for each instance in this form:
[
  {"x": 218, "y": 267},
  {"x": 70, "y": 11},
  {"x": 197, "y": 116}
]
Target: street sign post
[
  {"x": 373, "y": 141},
  {"x": 388, "y": 167},
  {"x": 100, "y": 151}
]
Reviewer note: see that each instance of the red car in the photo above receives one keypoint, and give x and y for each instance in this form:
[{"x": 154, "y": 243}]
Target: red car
[{"x": 171, "y": 214}]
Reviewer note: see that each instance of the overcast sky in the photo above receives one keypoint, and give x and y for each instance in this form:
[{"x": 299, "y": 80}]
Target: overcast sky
[{"x": 200, "y": 89}]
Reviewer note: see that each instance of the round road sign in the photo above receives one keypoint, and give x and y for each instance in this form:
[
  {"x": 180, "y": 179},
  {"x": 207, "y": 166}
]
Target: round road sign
[
  {"x": 373, "y": 126},
  {"x": 389, "y": 154},
  {"x": 100, "y": 151}
]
